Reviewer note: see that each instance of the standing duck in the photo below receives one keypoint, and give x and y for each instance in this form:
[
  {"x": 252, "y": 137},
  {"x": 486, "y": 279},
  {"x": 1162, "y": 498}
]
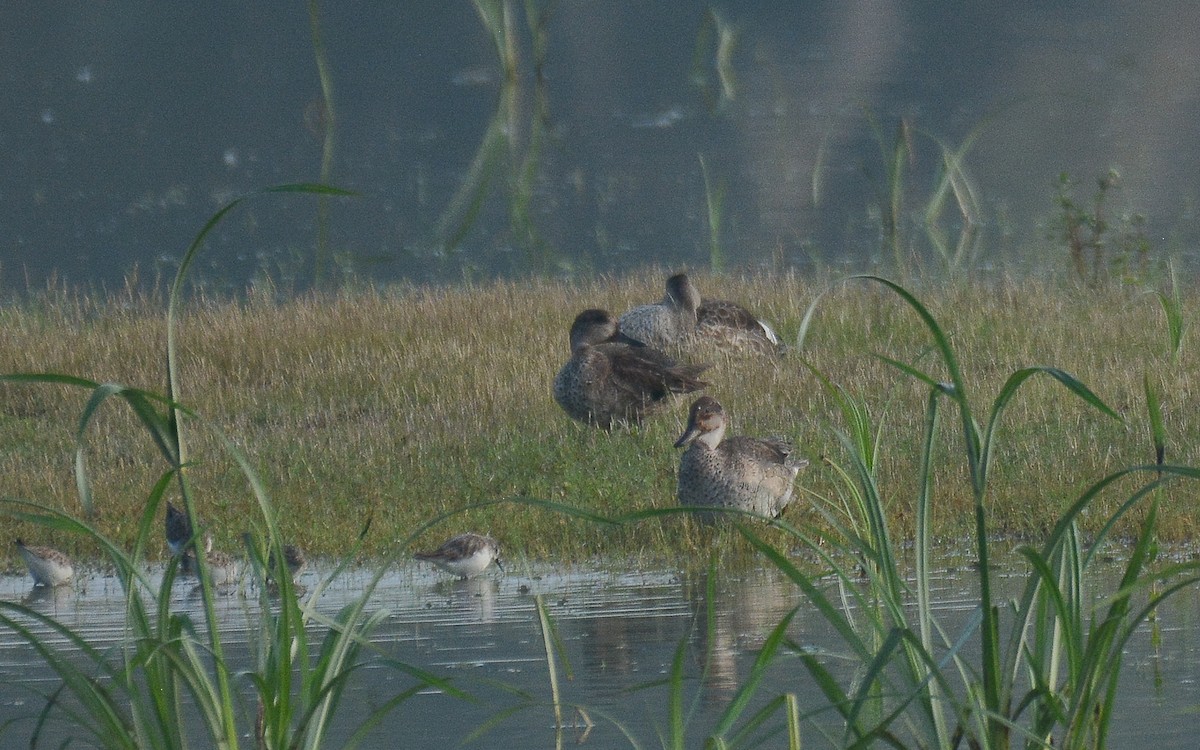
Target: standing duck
[
  {"x": 743, "y": 473},
  {"x": 47, "y": 566},
  {"x": 613, "y": 379}
]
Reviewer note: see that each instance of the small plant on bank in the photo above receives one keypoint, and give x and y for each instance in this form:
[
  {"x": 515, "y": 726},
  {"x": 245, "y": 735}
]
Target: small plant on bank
[{"x": 1102, "y": 246}]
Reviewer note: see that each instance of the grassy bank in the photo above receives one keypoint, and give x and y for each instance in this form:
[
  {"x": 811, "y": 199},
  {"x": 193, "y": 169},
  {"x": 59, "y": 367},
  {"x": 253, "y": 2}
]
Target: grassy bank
[{"x": 399, "y": 405}]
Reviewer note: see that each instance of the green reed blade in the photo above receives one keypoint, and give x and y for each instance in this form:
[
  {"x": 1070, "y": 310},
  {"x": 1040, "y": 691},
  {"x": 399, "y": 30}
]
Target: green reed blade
[
  {"x": 675, "y": 716},
  {"x": 1158, "y": 432},
  {"x": 749, "y": 686}
]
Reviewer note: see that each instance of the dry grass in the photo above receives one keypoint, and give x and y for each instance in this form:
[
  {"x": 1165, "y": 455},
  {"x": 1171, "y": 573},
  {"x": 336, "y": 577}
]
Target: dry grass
[{"x": 402, "y": 404}]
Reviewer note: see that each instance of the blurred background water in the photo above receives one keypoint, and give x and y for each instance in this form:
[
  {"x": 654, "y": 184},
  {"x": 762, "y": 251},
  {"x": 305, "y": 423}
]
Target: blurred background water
[{"x": 573, "y": 137}]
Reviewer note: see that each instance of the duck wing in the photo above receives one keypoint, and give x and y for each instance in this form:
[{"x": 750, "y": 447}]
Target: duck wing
[
  {"x": 776, "y": 450},
  {"x": 649, "y": 372},
  {"x": 726, "y": 314},
  {"x": 730, "y": 320}
]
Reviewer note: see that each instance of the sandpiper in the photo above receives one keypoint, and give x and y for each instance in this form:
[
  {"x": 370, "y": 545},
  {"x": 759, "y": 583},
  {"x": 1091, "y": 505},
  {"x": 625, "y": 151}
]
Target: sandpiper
[
  {"x": 466, "y": 555},
  {"x": 293, "y": 558},
  {"x": 178, "y": 529},
  {"x": 222, "y": 567},
  {"x": 47, "y": 566}
]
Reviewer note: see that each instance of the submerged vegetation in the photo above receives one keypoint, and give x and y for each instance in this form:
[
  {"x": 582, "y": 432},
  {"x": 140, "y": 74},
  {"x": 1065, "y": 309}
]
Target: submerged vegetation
[{"x": 1103, "y": 242}]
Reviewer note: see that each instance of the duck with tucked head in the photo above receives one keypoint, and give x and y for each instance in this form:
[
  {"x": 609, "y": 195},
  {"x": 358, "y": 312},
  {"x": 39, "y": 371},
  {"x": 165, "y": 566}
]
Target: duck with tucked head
[
  {"x": 611, "y": 378},
  {"x": 683, "y": 316},
  {"x": 670, "y": 322},
  {"x": 743, "y": 473}
]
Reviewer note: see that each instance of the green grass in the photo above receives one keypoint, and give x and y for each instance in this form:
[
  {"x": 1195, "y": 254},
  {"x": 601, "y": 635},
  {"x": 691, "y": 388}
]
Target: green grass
[{"x": 397, "y": 405}]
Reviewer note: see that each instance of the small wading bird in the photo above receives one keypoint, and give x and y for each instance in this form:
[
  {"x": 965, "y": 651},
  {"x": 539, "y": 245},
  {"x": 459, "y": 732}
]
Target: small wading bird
[
  {"x": 293, "y": 558},
  {"x": 466, "y": 555},
  {"x": 611, "y": 378},
  {"x": 743, "y": 473},
  {"x": 682, "y": 316},
  {"x": 222, "y": 567},
  {"x": 47, "y": 566},
  {"x": 178, "y": 530}
]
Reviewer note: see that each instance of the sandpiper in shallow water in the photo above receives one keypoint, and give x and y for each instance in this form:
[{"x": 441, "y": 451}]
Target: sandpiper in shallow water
[
  {"x": 293, "y": 558},
  {"x": 178, "y": 529},
  {"x": 466, "y": 555},
  {"x": 222, "y": 567},
  {"x": 47, "y": 566},
  {"x": 744, "y": 473},
  {"x": 613, "y": 379}
]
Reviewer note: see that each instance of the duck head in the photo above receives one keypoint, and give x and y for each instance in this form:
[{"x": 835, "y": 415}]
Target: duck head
[
  {"x": 594, "y": 326},
  {"x": 706, "y": 423},
  {"x": 681, "y": 293}
]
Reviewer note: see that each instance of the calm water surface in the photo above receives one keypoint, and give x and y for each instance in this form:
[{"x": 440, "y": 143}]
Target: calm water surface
[
  {"x": 127, "y": 125},
  {"x": 620, "y": 631}
]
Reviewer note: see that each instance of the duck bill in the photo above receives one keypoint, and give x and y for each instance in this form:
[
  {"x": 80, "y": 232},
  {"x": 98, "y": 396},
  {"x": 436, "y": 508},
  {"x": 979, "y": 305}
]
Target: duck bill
[
  {"x": 621, "y": 338},
  {"x": 688, "y": 436}
]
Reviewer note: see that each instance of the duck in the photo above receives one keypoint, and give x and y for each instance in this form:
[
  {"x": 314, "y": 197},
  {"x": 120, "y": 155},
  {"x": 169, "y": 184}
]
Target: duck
[
  {"x": 466, "y": 555},
  {"x": 668, "y": 323},
  {"x": 750, "y": 474},
  {"x": 683, "y": 316},
  {"x": 613, "y": 379},
  {"x": 47, "y": 566}
]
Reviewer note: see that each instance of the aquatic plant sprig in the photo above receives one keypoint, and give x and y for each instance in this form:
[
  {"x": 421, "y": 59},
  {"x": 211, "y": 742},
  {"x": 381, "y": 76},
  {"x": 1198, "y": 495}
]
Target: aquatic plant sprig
[
  {"x": 511, "y": 147},
  {"x": 979, "y": 450},
  {"x": 1172, "y": 308},
  {"x": 328, "y": 121},
  {"x": 714, "y": 203},
  {"x": 141, "y": 402}
]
